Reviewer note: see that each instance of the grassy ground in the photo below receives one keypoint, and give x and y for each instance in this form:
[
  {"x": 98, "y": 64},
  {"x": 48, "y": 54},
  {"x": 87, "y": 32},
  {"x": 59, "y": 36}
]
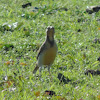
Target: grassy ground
[{"x": 22, "y": 31}]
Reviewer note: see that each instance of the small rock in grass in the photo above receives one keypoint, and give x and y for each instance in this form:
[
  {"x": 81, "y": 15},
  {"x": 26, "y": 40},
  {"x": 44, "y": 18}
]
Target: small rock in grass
[
  {"x": 79, "y": 30},
  {"x": 63, "y": 79},
  {"x": 79, "y": 20},
  {"x": 98, "y": 20},
  {"x": 93, "y": 72},
  {"x": 7, "y": 47},
  {"x": 65, "y": 9},
  {"x": 6, "y": 27},
  {"x": 26, "y": 5},
  {"x": 96, "y": 40},
  {"x": 99, "y": 59},
  {"x": 35, "y": 9},
  {"x": 96, "y": 8},
  {"x": 89, "y": 71},
  {"x": 48, "y": 92},
  {"x": 93, "y": 9},
  {"x": 98, "y": 72}
]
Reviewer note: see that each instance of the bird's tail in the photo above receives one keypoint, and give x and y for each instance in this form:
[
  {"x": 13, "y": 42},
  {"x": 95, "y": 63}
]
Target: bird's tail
[{"x": 35, "y": 69}]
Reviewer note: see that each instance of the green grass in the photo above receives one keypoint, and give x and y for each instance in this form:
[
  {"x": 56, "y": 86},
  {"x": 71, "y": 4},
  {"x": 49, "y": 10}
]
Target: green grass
[{"x": 76, "y": 50}]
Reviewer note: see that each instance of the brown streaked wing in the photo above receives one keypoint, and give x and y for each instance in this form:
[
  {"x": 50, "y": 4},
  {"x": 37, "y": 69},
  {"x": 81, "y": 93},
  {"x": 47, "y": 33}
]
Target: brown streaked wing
[{"x": 42, "y": 48}]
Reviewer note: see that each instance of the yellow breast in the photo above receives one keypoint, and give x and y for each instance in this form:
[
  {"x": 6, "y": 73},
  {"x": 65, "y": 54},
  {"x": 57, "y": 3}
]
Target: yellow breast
[{"x": 49, "y": 56}]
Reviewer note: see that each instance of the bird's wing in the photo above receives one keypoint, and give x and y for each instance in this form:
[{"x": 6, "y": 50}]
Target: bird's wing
[{"x": 42, "y": 48}]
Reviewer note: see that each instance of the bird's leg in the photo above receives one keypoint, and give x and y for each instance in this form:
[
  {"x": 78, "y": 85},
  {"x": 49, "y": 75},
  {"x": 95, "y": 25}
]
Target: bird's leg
[
  {"x": 49, "y": 70},
  {"x": 50, "y": 73}
]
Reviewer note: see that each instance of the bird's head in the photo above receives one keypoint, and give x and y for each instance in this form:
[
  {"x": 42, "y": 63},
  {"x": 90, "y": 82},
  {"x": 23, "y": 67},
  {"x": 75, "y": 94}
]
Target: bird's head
[{"x": 50, "y": 32}]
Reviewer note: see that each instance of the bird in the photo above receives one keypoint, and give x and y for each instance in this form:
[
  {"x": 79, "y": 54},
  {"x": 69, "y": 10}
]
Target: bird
[{"x": 47, "y": 52}]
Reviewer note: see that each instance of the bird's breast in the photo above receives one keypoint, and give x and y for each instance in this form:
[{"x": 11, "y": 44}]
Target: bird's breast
[{"x": 49, "y": 56}]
